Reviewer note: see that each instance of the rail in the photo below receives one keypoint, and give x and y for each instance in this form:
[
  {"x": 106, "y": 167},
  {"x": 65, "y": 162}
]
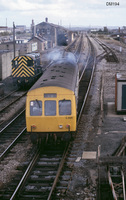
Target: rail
[
  {"x": 90, "y": 64},
  {"x": 30, "y": 167},
  {"x": 117, "y": 182},
  {"x": 116, "y": 171},
  {"x": 108, "y": 53},
  {"x": 12, "y": 144},
  {"x": 26, "y": 174},
  {"x": 1, "y": 99},
  {"x": 59, "y": 171},
  {"x": 4, "y": 108},
  {"x": 15, "y": 136}
]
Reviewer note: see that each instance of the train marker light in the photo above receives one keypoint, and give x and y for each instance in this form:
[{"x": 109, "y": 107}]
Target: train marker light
[
  {"x": 33, "y": 126},
  {"x": 67, "y": 126}
]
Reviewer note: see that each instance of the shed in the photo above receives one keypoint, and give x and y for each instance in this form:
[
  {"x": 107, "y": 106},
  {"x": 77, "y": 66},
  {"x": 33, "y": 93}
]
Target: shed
[{"x": 120, "y": 92}]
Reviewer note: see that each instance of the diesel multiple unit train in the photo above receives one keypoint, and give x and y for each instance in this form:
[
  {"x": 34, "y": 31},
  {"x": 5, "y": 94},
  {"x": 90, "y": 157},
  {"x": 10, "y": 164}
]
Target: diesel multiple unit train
[
  {"x": 51, "y": 104},
  {"x": 26, "y": 69}
]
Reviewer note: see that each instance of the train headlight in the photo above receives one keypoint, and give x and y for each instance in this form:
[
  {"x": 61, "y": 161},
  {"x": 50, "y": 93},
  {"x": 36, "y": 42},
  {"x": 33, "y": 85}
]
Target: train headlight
[{"x": 60, "y": 126}]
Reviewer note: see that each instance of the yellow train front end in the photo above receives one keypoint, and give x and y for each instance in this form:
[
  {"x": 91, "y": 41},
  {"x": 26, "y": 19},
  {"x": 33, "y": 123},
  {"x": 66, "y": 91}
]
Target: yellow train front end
[{"x": 51, "y": 111}]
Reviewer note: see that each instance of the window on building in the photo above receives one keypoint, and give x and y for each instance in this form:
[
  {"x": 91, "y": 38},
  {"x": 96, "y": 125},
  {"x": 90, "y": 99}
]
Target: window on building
[
  {"x": 43, "y": 31},
  {"x": 36, "y": 108},
  {"x": 64, "y": 107},
  {"x": 48, "y": 31},
  {"x": 7, "y": 47},
  {"x": 50, "y": 108}
]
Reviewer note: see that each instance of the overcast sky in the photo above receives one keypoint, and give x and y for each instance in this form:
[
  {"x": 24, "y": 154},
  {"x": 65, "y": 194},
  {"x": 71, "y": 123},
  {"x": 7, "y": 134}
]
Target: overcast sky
[{"x": 63, "y": 12}]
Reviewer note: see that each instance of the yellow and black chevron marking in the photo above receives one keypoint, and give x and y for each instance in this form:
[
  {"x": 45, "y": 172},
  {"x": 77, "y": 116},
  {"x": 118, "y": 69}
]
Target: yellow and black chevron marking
[{"x": 20, "y": 67}]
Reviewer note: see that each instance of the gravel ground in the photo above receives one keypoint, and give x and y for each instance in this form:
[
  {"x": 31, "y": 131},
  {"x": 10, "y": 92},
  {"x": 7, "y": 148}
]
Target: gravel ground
[{"x": 9, "y": 166}]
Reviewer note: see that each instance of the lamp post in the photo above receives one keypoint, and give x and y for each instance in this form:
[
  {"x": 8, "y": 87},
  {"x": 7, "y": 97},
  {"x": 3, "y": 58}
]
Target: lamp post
[{"x": 14, "y": 38}]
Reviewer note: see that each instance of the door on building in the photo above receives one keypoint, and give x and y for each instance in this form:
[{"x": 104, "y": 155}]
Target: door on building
[{"x": 123, "y": 97}]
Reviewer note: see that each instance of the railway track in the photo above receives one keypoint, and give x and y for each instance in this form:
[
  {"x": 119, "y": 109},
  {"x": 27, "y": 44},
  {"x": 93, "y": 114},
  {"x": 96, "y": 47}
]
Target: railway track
[
  {"x": 112, "y": 174},
  {"x": 48, "y": 174},
  {"x": 108, "y": 53},
  {"x": 76, "y": 47},
  {"x": 11, "y": 136},
  {"x": 5, "y": 97},
  {"x": 8, "y": 103},
  {"x": 85, "y": 79},
  {"x": 11, "y": 133},
  {"x": 72, "y": 46},
  {"x": 42, "y": 172},
  {"x": 10, "y": 100}
]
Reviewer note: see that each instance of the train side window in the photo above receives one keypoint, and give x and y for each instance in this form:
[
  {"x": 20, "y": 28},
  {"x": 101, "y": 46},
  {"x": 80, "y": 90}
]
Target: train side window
[
  {"x": 30, "y": 63},
  {"x": 64, "y": 107},
  {"x": 35, "y": 108},
  {"x": 50, "y": 108}
]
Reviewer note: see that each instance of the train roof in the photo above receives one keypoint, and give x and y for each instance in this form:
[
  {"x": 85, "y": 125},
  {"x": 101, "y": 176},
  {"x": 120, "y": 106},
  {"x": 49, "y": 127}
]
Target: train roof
[
  {"x": 62, "y": 73},
  {"x": 31, "y": 55}
]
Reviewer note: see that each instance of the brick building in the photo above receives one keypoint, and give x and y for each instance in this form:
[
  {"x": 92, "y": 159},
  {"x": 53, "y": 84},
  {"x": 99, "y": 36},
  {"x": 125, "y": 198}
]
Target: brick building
[{"x": 37, "y": 44}]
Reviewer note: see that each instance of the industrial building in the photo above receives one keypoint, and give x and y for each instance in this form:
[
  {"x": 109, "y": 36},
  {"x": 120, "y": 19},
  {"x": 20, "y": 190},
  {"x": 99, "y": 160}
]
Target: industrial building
[
  {"x": 55, "y": 34},
  {"x": 5, "y": 63}
]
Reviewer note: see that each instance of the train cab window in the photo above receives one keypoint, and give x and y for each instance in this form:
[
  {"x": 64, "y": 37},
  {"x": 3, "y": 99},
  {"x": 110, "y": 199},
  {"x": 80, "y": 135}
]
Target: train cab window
[
  {"x": 36, "y": 108},
  {"x": 50, "y": 108},
  {"x": 30, "y": 63},
  {"x": 15, "y": 63},
  {"x": 64, "y": 107}
]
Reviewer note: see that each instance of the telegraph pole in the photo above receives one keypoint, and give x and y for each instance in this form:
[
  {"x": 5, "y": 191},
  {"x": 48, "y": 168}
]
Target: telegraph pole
[
  {"x": 14, "y": 38},
  {"x": 6, "y": 24}
]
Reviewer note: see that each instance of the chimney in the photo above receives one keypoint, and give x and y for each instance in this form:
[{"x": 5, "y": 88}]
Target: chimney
[
  {"x": 33, "y": 22},
  {"x": 33, "y": 28},
  {"x": 46, "y": 20}
]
